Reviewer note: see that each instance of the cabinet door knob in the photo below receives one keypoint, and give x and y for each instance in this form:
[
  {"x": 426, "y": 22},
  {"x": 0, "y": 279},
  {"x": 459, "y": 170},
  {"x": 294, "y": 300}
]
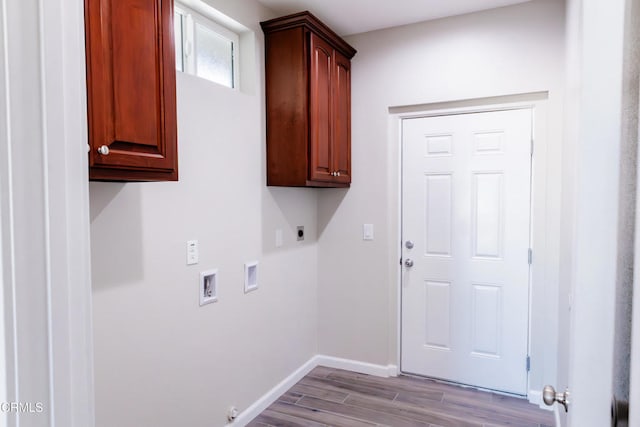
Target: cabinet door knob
[
  {"x": 104, "y": 150},
  {"x": 337, "y": 173}
]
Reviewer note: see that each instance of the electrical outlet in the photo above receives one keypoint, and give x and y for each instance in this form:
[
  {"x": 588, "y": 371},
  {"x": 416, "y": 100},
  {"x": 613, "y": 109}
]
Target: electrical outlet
[
  {"x": 232, "y": 413},
  {"x": 193, "y": 252}
]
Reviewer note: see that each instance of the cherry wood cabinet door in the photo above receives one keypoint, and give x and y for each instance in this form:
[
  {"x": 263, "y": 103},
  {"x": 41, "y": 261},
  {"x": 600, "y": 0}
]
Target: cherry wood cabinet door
[
  {"x": 342, "y": 118},
  {"x": 131, "y": 90},
  {"x": 321, "y": 110}
]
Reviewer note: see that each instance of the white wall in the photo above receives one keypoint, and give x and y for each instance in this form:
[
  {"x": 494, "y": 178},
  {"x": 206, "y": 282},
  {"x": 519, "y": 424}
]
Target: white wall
[
  {"x": 160, "y": 359},
  {"x": 567, "y": 227},
  {"x": 598, "y": 252},
  {"x": 511, "y": 50},
  {"x": 46, "y": 306}
]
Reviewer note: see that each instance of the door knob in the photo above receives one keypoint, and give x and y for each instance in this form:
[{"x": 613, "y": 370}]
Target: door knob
[
  {"x": 104, "y": 150},
  {"x": 408, "y": 262},
  {"x": 408, "y": 244},
  {"x": 549, "y": 396}
]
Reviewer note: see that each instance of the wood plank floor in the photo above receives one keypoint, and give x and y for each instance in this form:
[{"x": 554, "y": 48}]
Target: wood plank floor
[{"x": 332, "y": 397}]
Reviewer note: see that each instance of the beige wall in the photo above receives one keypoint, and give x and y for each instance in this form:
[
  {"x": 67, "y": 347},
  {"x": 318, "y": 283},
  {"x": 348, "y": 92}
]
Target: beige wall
[
  {"x": 160, "y": 359},
  {"x": 163, "y": 360},
  {"x": 506, "y": 51}
]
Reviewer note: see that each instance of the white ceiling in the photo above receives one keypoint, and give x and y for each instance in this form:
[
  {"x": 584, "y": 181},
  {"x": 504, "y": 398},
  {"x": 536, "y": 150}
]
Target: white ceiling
[{"x": 358, "y": 16}]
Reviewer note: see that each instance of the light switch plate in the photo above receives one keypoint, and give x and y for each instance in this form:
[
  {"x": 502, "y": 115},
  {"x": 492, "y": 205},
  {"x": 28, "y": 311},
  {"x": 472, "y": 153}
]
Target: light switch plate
[
  {"x": 278, "y": 237},
  {"x": 367, "y": 232}
]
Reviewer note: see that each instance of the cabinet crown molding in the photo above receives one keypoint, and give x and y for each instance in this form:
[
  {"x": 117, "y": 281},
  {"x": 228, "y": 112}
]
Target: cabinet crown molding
[{"x": 307, "y": 20}]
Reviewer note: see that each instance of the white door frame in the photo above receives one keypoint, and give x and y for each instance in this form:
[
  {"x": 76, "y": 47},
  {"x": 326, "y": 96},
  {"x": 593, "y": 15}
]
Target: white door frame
[
  {"x": 597, "y": 74},
  {"x": 543, "y": 284},
  {"x": 634, "y": 387},
  {"x": 44, "y": 214},
  {"x": 634, "y": 374}
]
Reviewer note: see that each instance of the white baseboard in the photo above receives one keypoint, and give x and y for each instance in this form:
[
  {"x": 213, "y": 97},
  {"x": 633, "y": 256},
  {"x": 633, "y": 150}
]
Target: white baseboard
[
  {"x": 356, "y": 366},
  {"x": 318, "y": 360},
  {"x": 535, "y": 397},
  {"x": 556, "y": 414},
  {"x": 272, "y": 395}
]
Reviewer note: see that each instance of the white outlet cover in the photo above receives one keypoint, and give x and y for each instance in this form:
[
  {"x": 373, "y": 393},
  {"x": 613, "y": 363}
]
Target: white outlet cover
[
  {"x": 208, "y": 287},
  {"x": 250, "y": 276},
  {"x": 193, "y": 252}
]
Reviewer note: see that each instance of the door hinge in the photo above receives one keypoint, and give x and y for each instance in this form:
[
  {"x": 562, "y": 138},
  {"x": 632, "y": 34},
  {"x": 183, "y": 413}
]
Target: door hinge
[
  {"x": 528, "y": 363},
  {"x": 530, "y": 256},
  {"x": 531, "y": 147}
]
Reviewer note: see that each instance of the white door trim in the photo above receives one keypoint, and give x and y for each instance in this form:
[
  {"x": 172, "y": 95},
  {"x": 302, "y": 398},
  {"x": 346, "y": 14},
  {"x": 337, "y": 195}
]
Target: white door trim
[
  {"x": 597, "y": 105},
  {"x": 543, "y": 288},
  {"x": 44, "y": 206},
  {"x": 634, "y": 378}
]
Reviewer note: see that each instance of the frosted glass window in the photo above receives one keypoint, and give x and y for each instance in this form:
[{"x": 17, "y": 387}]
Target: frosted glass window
[
  {"x": 178, "y": 26},
  {"x": 204, "y": 47},
  {"x": 214, "y": 56}
]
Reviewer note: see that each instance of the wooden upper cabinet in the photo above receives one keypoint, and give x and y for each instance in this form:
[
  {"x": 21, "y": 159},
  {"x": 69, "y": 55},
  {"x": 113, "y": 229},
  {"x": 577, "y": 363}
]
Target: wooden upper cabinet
[
  {"x": 131, "y": 90},
  {"x": 308, "y": 96}
]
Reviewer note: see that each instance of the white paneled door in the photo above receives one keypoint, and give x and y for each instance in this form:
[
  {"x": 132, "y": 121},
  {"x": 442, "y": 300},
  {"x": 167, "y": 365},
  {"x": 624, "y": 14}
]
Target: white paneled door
[{"x": 465, "y": 250}]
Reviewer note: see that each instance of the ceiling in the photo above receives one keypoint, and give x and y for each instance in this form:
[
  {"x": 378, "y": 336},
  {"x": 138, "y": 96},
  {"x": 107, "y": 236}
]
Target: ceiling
[{"x": 347, "y": 17}]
